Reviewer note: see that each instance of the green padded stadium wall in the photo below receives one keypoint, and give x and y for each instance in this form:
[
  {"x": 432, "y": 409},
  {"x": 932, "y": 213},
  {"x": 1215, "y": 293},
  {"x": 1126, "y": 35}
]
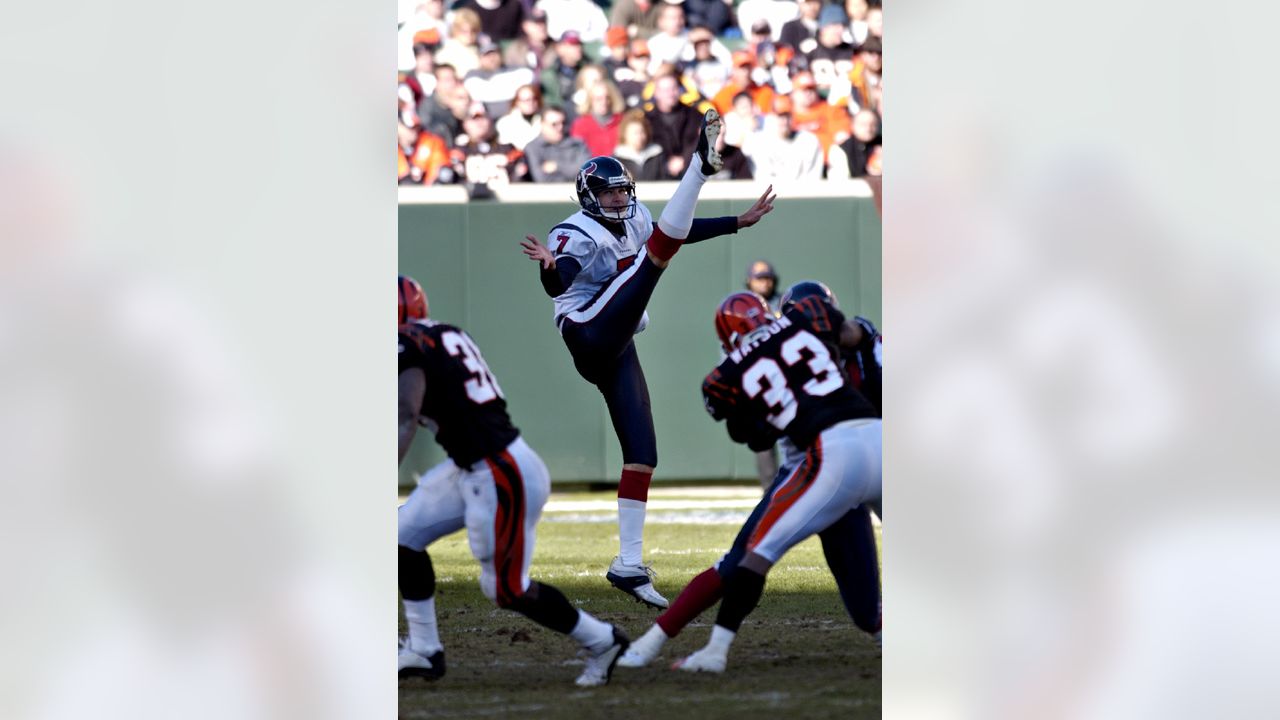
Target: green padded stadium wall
[{"x": 467, "y": 258}]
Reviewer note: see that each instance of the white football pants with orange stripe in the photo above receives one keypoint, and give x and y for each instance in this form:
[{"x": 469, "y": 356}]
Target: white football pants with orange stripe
[
  {"x": 840, "y": 471},
  {"x": 498, "y": 501}
]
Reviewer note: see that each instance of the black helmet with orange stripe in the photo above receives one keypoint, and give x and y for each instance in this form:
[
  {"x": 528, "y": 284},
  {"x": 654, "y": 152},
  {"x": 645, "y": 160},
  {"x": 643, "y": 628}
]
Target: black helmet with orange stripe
[
  {"x": 808, "y": 289},
  {"x": 813, "y": 298},
  {"x": 413, "y": 301},
  {"x": 739, "y": 314}
]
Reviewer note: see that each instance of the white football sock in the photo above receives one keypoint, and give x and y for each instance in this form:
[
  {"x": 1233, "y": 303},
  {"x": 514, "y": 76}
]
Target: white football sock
[
  {"x": 631, "y": 530},
  {"x": 721, "y": 639},
  {"x": 655, "y": 634},
  {"x": 423, "y": 636},
  {"x": 593, "y": 634},
  {"x": 677, "y": 216}
]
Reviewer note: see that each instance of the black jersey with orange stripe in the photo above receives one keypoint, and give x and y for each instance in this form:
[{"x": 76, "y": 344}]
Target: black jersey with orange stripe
[
  {"x": 463, "y": 400},
  {"x": 785, "y": 378}
]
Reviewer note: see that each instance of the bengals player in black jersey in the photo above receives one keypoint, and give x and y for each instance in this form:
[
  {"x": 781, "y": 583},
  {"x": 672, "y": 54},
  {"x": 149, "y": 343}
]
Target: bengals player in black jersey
[
  {"x": 780, "y": 379},
  {"x": 492, "y": 483}
]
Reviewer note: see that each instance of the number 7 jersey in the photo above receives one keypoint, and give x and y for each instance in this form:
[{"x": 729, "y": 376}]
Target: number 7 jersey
[
  {"x": 463, "y": 400},
  {"x": 785, "y": 378}
]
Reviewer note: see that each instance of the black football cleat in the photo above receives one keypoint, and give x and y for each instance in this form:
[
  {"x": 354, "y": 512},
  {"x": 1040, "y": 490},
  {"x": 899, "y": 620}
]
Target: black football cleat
[{"x": 707, "y": 154}]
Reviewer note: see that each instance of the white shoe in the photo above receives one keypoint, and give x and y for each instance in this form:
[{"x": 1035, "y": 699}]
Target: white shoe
[
  {"x": 430, "y": 667},
  {"x": 705, "y": 660},
  {"x": 600, "y": 664},
  {"x": 636, "y": 581},
  {"x": 643, "y": 651}
]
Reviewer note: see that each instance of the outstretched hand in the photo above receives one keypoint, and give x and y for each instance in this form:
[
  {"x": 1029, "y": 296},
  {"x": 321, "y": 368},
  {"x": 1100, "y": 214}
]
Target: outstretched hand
[
  {"x": 762, "y": 207},
  {"x": 538, "y": 252}
]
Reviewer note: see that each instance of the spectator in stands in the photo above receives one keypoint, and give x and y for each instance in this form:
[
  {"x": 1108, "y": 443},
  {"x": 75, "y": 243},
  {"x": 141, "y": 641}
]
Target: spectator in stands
[
  {"x": 491, "y": 83},
  {"x": 689, "y": 94},
  {"x": 774, "y": 13},
  {"x": 533, "y": 48},
  {"x": 668, "y": 44},
  {"x": 740, "y": 81},
  {"x": 780, "y": 152},
  {"x": 674, "y": 124},
  {"x": 589, "y": 75},
  {"x": 599, "y": 117},
  {"x": 410, "y": 94},
  {"x": 422, "y": 156},
  {"x": 581, "y": 16},
  {"x": 864, "y": 76},
  {"x": 482, "y": 162},
  {"x": 857, "y": 12},
  {"x": 424, "y": 70},
  {"x": 429, "y": 15},
  {"x": 524, "y": 123},
  {"x": 715, "y": 15},
  {"x": 737, "y": 166},
  {"x": 554, "y": 156},
  {"x": 832, "y": 58},
  {"x": 461, "y": 49},
  {"x": 436, "y": 109},
  {"x": 708, "y": 68},
  {"x": 811, "y": 114},
  {"x": 773, "y": 65},
  {"x": 875, "y": 22},
  {"x": 741, "y": 119},
  {"x": 636, "y": 149},
  {"x": 635, "y": 77},
  {"x": 762, "y": 279},
  {"x": 851, "y": 158},
  {"x": 761, "y": 36},
  {"x": 499, "y": 19},
  {"x": 559, "y": 76},
  {"x": 639, "y": 17},
  {"x": 617, "y": 46},
  {"x": 802, "y": 33},
  {"x": 459, "y": 103}
]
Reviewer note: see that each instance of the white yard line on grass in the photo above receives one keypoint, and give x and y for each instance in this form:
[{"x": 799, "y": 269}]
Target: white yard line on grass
[{"x": 611, "y": 504}]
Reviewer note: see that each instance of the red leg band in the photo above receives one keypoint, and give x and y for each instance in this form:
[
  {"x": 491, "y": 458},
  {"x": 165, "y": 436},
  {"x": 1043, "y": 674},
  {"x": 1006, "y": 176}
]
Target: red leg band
[
  {"x": 662, "y": 246},
  {"x": 701, "y": 593},
  {"x": 634, "y": 485}
]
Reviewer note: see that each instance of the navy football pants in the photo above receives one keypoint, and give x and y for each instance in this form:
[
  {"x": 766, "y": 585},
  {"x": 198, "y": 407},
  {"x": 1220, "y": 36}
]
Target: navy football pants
[
  {"x": 605, "y": 355},
  {"x": 849, "y": 545}
]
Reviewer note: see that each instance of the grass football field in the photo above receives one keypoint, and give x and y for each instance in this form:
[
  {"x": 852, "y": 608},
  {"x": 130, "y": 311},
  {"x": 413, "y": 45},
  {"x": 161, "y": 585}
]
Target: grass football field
[{"x": 798, "y": 655}]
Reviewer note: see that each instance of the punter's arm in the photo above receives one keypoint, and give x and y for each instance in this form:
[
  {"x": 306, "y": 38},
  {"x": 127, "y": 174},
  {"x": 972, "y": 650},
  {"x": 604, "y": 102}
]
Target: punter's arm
[
  {"x": 413, "y": 389},
  {"x": 556, "y": 277},
  {"x": 707, "y": 228}
]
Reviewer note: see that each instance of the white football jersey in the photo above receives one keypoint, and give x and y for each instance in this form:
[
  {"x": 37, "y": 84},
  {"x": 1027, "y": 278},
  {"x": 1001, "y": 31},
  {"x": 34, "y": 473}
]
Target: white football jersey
[{"x": 601, "y": 255}]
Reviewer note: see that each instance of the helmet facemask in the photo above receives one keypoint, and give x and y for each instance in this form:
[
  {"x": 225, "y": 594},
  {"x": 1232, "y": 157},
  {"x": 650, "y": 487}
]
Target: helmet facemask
[
  {"x": 598, "y": 175},
  {"x": 592, "y": 204}
]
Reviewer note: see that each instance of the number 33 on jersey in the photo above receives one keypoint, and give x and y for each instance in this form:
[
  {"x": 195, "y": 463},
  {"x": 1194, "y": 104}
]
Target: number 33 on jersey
[{"x": 784, "y": 378}]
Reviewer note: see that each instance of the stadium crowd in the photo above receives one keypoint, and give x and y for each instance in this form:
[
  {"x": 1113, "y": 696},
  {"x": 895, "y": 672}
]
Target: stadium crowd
[{"x": 499, "y": 91}]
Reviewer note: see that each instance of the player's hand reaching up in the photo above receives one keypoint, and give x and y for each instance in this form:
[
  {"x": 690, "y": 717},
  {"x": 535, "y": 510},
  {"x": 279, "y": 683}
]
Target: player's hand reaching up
[
  {"x": 538, "y": 252},
  {"x": 763, "y": 207}
]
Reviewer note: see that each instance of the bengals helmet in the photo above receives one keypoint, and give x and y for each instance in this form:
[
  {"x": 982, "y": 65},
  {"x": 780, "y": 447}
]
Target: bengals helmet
[
  {"x": 413, "y": 301},
  {"x": 814, "y": 299},
  {"x": 603, "y": 173},
  {"x": 808, "y": 289},
  {"x": 739, "y": 314}
]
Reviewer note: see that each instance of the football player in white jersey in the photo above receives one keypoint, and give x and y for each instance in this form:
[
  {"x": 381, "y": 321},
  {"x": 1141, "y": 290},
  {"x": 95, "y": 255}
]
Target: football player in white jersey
[{"x": 601, "y": 265}]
